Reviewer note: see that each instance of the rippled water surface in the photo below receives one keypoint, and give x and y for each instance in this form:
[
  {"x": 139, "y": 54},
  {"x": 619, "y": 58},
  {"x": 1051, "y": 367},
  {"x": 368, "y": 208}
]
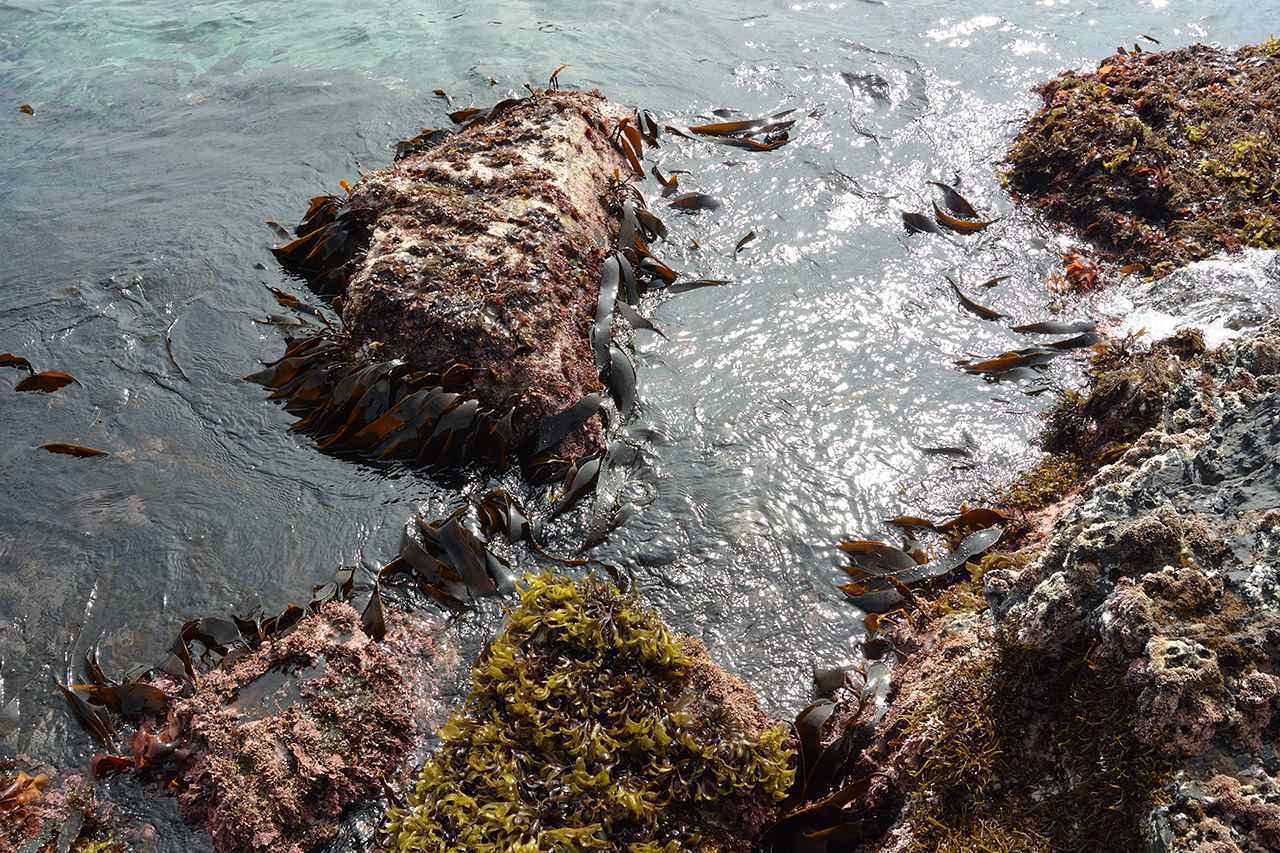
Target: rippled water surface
[{"x": 784, "y": 411}]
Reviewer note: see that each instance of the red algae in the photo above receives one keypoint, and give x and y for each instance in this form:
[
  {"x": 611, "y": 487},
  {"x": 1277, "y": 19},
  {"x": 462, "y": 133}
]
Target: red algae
[
  {"x": 278, "y": 745},
  {"x": 486, "y": 250}
]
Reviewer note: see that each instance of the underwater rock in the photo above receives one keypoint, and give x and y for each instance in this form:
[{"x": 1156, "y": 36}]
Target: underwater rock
[
  {"x": 590, "y": 725},
  {"x": 1112, "y": 684},
  {"x": 276, "y": 746},
  {"x": 1164, "y": 158},
  {"x": 475, "y": 258},
  {"x": 43, "y": 810}
]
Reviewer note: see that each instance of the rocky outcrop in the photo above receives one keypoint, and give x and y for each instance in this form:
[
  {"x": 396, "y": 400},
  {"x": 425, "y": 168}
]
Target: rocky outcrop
[
  {"x": 468, "y": 276},
  {"x": 269, "y": 748},
  {"x": 590, "y": 726},
  {"x": 1162, "y": 158},
  {"x": 1110, "y": 680},
  {"x": 1114, "y": 684}
]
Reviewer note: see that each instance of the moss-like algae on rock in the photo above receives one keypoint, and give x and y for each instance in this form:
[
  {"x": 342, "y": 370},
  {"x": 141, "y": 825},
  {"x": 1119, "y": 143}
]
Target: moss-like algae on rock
[
  {"x": 590, "y": 726},
  {"x": 1165, "y": 157}
]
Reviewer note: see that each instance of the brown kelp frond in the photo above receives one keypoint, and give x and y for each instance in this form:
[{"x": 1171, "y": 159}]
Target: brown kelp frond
[
  {"x": 832, "y": 734},
  {"x": 761, "y": 134},
  {"x": 883, "y": 574},
  {"x": 382, "y": 409},
  {"x": 449, "y": 561},
  {"x": 331, "y": 236}
]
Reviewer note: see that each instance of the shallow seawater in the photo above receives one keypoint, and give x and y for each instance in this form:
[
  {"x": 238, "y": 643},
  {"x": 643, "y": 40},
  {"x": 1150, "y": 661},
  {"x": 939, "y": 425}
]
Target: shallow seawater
[{"x": 786, "y": 410}]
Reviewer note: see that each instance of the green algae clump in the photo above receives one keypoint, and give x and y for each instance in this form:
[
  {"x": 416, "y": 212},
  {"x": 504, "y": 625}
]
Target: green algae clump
[
  {"x": 1164, "y": 158},
  {"x": 591, "y": 726}
]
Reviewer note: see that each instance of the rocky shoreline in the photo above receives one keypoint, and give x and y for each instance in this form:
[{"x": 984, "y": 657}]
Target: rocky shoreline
[{"x": 1102, "y": 674}]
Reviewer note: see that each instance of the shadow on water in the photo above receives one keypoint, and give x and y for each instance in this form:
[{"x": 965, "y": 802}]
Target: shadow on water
[{"x": 785, "y": 410}]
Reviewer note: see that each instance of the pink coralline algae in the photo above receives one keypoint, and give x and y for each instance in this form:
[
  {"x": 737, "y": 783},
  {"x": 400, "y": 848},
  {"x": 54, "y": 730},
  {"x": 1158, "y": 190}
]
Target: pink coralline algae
[
  {"x": 486, "y": 250},
  {"x": 310, "y": 723}
]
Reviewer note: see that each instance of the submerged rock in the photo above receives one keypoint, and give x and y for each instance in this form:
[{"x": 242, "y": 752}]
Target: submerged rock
[
  {"x": 276, "y": 746},
  {"x": 590, "y": 726}
]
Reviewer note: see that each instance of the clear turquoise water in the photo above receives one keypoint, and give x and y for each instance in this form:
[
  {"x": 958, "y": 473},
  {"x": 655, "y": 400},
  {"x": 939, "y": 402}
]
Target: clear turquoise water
[{"x": 786, "y": 409}]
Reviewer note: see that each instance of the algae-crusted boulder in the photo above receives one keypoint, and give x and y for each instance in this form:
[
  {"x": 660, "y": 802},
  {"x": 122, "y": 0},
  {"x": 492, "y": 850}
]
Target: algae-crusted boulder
[
  {"x": 591, "y": 726},
  {"x": 1166, "y": 157},
  {"x": 467, "y": 274}
]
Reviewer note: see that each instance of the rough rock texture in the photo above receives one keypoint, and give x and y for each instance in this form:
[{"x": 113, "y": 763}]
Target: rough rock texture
[
  {"x": 307, "y": 725},
  {"x": 1164, "y": 157},
  {"x": 486, "y": 250},
  {"x": 1115, "y": 685}
]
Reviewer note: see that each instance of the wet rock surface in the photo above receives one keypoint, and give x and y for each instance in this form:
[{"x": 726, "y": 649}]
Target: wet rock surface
[{"x": 1111, "y": 684}]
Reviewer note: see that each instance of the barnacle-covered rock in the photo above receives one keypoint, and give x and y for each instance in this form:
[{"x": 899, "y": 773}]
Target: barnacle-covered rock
[
  {"x": 277, "y": 745},
  {"x": 1114, "y": 686},
  {"x": 473, "y": 260},
  {"x": 590, "y": 726}
]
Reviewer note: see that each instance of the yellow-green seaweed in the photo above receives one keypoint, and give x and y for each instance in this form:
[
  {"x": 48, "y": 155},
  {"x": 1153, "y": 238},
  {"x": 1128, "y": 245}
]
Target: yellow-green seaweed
[{"x": 583, "y": 730}]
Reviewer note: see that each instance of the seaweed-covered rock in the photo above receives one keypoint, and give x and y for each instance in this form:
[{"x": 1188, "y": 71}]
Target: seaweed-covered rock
[
  {"x": 1164, "y": 157},
  {"x": 590, "y": 726},
  {"x": 474, "y": 260},
  {"x": 1113, "y": 685},
  {"x": 278, "y": 744}
]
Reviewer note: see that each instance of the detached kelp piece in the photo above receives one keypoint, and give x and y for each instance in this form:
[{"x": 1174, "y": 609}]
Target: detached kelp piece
[
  {"x": 1164, "y": 158},
  {"x": 589, "y": 725},
  {"x": 883, "y": 574}
]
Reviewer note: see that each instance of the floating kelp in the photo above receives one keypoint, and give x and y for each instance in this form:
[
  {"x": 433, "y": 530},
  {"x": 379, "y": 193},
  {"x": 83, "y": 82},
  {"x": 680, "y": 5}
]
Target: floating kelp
[
  {"x": 1010, "y": 364},
  {"x": 1055, "y": 327},
  {"x": 955, "y": 202},
  {"x": 763, "y": 134},
  {"x": 46, "y": 381},
  {"x": 918, "y": 223},
  {"x": 590, "y": 725},
  {"x": 883, "y": 573},
  {"x": 8, "y": 359},
  {"x": 77, "y": 450},
  {"x": 693, "y": 202},
  {"x": 960, "y": 226},
  {"x": 1162, "y": 157},
  {"x": 973, "y": 307}
]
